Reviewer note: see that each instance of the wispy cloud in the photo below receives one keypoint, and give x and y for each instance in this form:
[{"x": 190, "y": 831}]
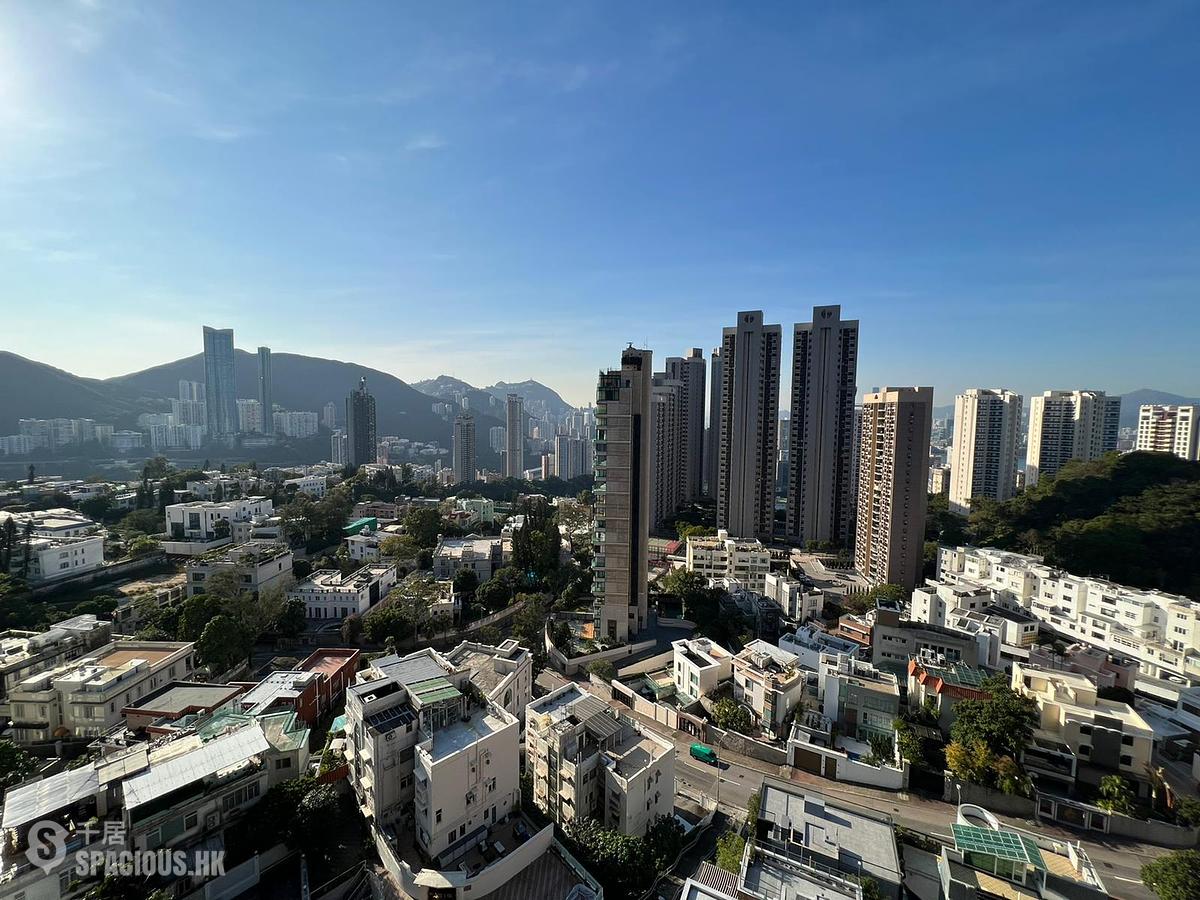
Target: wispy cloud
[
  {"x": 425, "y": 142},
  {"x": 223, "y": 134}
]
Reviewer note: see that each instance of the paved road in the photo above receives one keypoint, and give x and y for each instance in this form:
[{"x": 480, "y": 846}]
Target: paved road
[{"x": 1118, "y": 861}]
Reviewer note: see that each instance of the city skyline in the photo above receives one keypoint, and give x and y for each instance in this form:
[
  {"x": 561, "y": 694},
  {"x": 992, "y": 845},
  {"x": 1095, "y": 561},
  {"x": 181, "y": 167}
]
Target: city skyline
[{"x": 550, "y": 176}]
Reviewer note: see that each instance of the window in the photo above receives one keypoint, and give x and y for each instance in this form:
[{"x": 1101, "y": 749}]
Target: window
[
  {"x": 189, "y": 821},
  {"x": 1127, "y": 760},
  {"x": 438, "y": 817}
]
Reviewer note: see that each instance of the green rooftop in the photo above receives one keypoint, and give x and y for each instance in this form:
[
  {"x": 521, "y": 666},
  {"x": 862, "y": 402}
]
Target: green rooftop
[
  {"x": 359, "y": 524},
  {"x": 1001, "y": 844},
  {"x": 433, "y": 690}
]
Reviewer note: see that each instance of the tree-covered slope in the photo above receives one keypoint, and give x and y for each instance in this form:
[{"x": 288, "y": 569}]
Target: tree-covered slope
[{"x": 1133, "y": 518}]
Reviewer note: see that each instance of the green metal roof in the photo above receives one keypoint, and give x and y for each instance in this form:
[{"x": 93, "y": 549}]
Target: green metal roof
[
  {"x": 1002, "y": 844},
  {"x": 433, "y": 690},
  {"x": 359, "y": 524}
]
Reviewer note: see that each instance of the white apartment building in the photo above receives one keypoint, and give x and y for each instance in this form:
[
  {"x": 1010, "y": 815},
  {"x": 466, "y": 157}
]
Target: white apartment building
[
  {"x": 809, "y": 643},
  {"x": 1079, "y": 735},
  {"x": 259, "y": 566},
  {"x": 364, "y": 546},
  {"x": 328, "y": 594},
  {"x": 52, "y": 558},
  {"x": 589, "y": 762},
  {"x": 295, "y": 424},
  {"x": 422, "y": 751},
  {"x": 313, "y": 485},
  {"x": 482, "y": 555},
  {"x": 1169, "y": 429},
  {"x": 25, "y": 653},
  {"x": 1066, "y": 425},
  {"x": 55, "y": 523},
  {"x": 798, "y": 602},
  {"x": 250, "y": 416},
  {"x": 192, "y": 528},
  {"x": 745, "y": 561},
  {"x": 1161, "y": 631},
  {"x": 983, "y": 460},
  {"x": 698, "y": 667},
  {"x": 84, "y": 698},
  {"x": 504, "y": 674},
  {"x": 769, "y": 682}
]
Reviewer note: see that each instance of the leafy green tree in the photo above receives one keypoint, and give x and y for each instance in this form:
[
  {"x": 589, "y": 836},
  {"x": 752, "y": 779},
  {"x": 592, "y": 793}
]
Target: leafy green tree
[
  {"x": 1116, "y": 795},
  {"x": 1004, "y": 722},
  {"x": 292, "y": 619},
  {"x": 352, "y": 628},
  {"x": 141, "y": 521},
  {"x": 622, "y": 863},
  {"x": 16, "y": 765},
  {"x": 224, "y": 643},
  {"x": 142, "y": 545},
  {"x": 308, "y": 830},
  {"x": 96, "y": 507},
  {"x": 494, "y": 594},
  {"x": 398, "y": 547},
  {"x": 489, "y": 634},
  {"x": 422, "y": 525},
  {"x": 465, "y": 582},
  {"x": 1174, "y": 876},
  {"x": 730, "y": 849},
  {"x": 387, "y": 621},
  {"x": 664, "y": 840},
  {"x": 732, "y": 716},
  {"x": 602, "y": 669},
  {"x": 970, "y": 760}
]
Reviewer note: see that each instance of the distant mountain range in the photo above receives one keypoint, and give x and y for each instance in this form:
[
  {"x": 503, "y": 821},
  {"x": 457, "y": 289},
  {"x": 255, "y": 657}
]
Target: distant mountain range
[
  {"x": 30, "y": 389},
  {"x": 539, "y": 399},
  {"x": 1129, "y": 404}
]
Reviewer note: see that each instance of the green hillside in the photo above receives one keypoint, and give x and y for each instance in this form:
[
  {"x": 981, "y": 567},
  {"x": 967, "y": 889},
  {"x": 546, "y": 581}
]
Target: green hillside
[{"x": 1133, "y": 518}]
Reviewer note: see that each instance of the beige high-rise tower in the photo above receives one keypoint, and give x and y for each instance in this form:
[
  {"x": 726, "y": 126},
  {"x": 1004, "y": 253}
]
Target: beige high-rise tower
[
  {"x": 1066, "y": 425},
  {"x": 1169, "y": 429},
  {"x": 749, "y": 427},
  {"x": 983, "y": 461},
  {"x": 689, "y": 372},
  {"x": 623, "y": 474},
  {"x": 821, "y": 428},
  {"x": 893, "y": 465}
]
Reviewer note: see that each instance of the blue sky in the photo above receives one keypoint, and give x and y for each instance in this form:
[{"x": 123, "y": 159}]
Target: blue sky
[{"x": 1004, "y": 194}]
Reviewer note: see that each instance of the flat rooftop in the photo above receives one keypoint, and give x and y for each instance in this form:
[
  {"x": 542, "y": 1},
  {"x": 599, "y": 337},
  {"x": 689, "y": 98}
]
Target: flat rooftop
[
  {"x": 482, "y": 666},
  {"x": 120, "y": 656},
  {"x": 181, "y": 697},
  {"x": 635, "y": 753},
  {"x": 460, "y": 735},
  {"x": 326, "y": 661}
]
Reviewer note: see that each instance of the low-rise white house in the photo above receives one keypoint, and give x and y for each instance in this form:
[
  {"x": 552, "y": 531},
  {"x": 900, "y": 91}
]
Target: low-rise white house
[
  {"x": 330, "y": 595},
  {"x": 259, "y": 565},
  {"x": 313, "y": 485},
  {"x": 810, "y": 642},
  {"x": 482, "y": 555},
  {"x": 202, "y": 525},
  {"x": 798, "y": 602},
  {"x": 698, "y": 667},
  {"x": 769, "y": 682},
  {"x": 52, "y": 558}
]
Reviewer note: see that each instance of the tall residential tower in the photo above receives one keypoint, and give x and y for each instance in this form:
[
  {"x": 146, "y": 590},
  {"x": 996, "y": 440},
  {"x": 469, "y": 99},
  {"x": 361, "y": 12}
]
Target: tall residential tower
[
  {"x": 749, "y": 427},
  {"x": 219, "y": 384},
  {"x": 514, "y": 437},
  {"x": 689, "y": 372},
  {"x": 464, "y": 449},
  {"x": 361, "y": 436},
  {"x": 1169, "y": 429},
  {"x": 983, "y": 460},
  {"x": 893, "y": 467},
  {"x": 1065, "y": 425},
  {"x": 622, "y": 466},
  {"x": 265, "y": 399},
  {"x": 821, "y": 428}
]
